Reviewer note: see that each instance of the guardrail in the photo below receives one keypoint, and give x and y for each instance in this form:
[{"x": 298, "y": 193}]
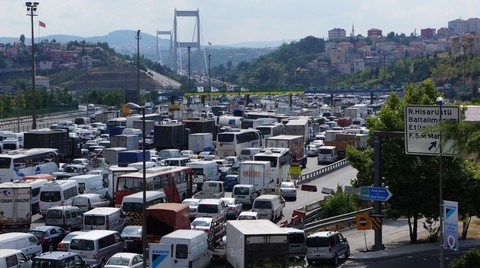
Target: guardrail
[
  {"x": 337, "y": 220},
  {"x": 322, "y": 171}
]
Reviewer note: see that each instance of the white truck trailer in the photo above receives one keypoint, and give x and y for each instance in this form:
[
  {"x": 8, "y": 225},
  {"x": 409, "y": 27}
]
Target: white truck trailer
[
  {"x": 256, "y": 173},
  {"x": 258, "y": 243},
  {"x": 15, "y": 207}
]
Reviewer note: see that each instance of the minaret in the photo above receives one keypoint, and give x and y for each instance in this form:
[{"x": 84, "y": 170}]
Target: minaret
[{"x": 352, "y": 34}]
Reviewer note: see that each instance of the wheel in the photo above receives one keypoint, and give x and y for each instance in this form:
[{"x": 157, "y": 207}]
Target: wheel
[
  {"x": 102, "y": 263},
  {"x": 347, "y": 253},
  {"x": 335, "y": 260},
  {"x": 50, "y": 247}
]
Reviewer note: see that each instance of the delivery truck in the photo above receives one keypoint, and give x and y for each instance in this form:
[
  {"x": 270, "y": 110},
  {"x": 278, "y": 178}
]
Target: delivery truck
[
  {"x": 198, "y": 142},
  {"x": 258, "y": 243},
  {"x": 15, "y": 207},
  {"x": 256, "y": 173},
  {"x": 164, "y": 218},
  {"x": 294, "y": 143}
]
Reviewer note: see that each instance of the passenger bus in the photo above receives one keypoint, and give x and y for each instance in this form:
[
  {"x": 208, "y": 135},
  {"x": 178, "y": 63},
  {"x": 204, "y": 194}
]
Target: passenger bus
[
  {"x": 176, "y": 183},
  {"x": 279, "y": 159},
  {"x": 132, "y": 205},
  {"x": 116, "y": 125},
  {"x": 113, "y": 173},
  {"x": 270, "y": 130},
  {"x": 232, "y": 143},
  {"x": 17, "y": 164}
]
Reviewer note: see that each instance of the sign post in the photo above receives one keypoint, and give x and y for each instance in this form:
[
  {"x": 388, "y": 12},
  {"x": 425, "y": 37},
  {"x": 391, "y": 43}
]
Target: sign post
[{"x": 363, "y": 223}]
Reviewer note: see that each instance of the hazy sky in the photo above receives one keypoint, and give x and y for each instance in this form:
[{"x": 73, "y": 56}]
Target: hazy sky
[{"x": 232, "y": 21}]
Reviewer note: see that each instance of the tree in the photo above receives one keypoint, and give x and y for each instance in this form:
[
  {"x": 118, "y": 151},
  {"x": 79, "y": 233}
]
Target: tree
[{"x": 411, "y": 178}]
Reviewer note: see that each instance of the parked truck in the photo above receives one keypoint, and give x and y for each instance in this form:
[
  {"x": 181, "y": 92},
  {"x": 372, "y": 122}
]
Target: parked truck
[
  {"x": 198, "y": 142},
  {"x": 256, "y": 173},
  {"x": 164, "y": 218},
  {"x": 294, "y": 143},
  {"x": 257, "y": 243},
  {"x": 211, "y": 189},
  {"x": 15, "y": 207}
]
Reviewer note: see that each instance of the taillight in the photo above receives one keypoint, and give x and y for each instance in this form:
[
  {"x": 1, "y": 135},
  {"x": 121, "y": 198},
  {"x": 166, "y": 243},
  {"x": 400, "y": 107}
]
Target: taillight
[
  {"x": 59, "y": 246},
  {"x": 138, "y": 239},
  {"x": 62, "y": 203},
  {"x": 45, "y": 239},
  {"x": 206, "y": 230},
  {"x": 95, "y": 255}
]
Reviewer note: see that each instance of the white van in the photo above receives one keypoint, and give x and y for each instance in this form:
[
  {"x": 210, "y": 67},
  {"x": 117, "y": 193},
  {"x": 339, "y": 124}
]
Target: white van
[
  {"x": 103, "y": 219},
  {"x": 68, "y": 217},
  {"x": 185, "y": 248},
  {"x": 35, "y": 190},
  {"x": 132, "y": 205},
  {"x": 245, "y": 193},
  {"x": 57, "y": 193},
  {"x": 90, "y": 184},
  {"x": 327, "y": 154},
  {"x": 204, "y": 171},
  {"x": 27, "y": 243},
  {"x": 97, "y": 246},
  {"x": 13, "y": 258},
  {"x": 269, "y": 206},
  {"x": 247, "y": 154},
  {"x": 177, "y": 161},
  {"x": 211, "y": 208},
  {"x": 86, "y": 202}
]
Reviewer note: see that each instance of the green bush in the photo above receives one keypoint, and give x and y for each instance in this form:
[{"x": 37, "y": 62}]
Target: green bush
[
  {"x": 339, "y": 203},
  {"x": 471, "y": 259}
]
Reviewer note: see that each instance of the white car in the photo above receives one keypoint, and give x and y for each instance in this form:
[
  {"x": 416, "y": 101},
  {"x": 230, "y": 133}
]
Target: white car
[
  {"x": 192, "y": 204},
  {"x": 125, "y": 260},
  {"x": 288, "y": 190},
  {"x": 234, "y": 208},
  {"x": 202, "y": 224},
  {"x": 248, "y": 215}
]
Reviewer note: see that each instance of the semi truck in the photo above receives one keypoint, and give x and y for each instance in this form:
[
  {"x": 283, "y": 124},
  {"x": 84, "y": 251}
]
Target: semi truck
[
  {"x": 256, "y": 173},
  {"x": 15, "y": 207},
  {"x": 257, "y": 243},
  {"x": 294, "y": 143}
]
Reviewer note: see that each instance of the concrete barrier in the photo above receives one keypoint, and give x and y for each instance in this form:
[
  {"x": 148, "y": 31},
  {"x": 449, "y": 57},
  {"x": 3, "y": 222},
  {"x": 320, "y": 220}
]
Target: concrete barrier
[{"x": 309, "y": 188}]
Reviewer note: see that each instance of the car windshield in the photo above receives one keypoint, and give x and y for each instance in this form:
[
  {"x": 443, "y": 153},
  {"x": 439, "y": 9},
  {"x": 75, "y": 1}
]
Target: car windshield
[
  {"x": 246, "y": 217},
  {"x": 82, "y": 244},
  {"x": 132, "y": 231},
  {"x": 190, "y": 202},
  {"x": 287, "y": 186},
  {"x": 201, "y": 223},
  {"x": 94, "y": 220},
  {"x": 50, "y": 196},
  {"x": 118, "y": 261},
  {"x": 207, "y": 208},
  {"x": 318, "y": 242},
  {"x": 37, "y": 234},
  {"x": 228, "y": 201},
  {"x": 262, "y": 204},
  {"x": 241, "y": 191}
]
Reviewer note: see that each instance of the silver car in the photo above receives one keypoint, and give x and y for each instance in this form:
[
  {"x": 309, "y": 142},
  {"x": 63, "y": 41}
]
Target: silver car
[{"x": 288, "y": 190}]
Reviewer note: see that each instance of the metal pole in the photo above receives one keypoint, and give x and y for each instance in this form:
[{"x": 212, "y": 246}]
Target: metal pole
[
  {"x": 189, "y": 71},
  {"x": 138, "y": 65},
  {"x": 440, "y": 186},
  {"x": 209, "y": 83},
  {"x": 33, "y": 7},
  {"x": 144, "y": 212}
]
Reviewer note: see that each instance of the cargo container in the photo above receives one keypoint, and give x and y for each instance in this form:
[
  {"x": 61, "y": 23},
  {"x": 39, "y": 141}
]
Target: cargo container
[
  {"x": 57, "y": 139},
  {"x": 164, "y": 218},
  {"x": 16, "y": 207},
  {"x": 294, "y": 143},
  {"x": 198, "y": 142},
  {"x": 200, "y": 125},
  {"x": 128, "y": 141},
  {"x": 169, "y": 136},
  {"x": 131, "y": 156},
  {"x": 149, "y": 125},
  {"x": 256, "y": 173},
  {"x": 258, "y": 243},
  {"x": 111, "y": 154}
]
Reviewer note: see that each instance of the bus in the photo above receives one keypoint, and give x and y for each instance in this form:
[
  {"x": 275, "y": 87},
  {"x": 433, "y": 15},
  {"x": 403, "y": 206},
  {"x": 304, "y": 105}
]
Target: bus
[
  {"x": 113, "y": 173},
  {"x": 16, "y": 164},
  {"x": 132, "y": 205},
  {"x": 176, "y": 183},
  {"x": 231, "y": 143},
  {"x": 270, "y": 130},
  {"x": 279, "y": 159}
]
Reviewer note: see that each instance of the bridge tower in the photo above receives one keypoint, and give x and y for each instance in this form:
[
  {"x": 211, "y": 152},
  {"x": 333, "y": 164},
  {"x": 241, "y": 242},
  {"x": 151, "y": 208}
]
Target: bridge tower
[
  {"x": 194, "y": 44},
  {"x": 169, "y": 62}
]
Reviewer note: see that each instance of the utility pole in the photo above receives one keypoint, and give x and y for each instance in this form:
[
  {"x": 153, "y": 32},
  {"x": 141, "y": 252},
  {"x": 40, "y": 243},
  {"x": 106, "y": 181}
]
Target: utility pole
[
  {"x": 32, "y": 7},
  {"x": 189, "y": 71},
  {"x": 209, "y": 58},
  {"x": 138, "y": 65}
]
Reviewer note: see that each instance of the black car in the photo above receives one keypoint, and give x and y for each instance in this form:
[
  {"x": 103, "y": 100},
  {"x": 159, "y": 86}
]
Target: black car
[
  {"x": 133, "y": 238},
  {"x": 235, "y": 167},
  {"x": 49, "y": 236},
  {"x": 59, "y": 260}
]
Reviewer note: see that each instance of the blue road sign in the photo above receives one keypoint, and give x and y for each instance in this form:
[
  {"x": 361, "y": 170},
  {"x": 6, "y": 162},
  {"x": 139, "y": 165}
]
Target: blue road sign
[{"x": 374, "y": 193}]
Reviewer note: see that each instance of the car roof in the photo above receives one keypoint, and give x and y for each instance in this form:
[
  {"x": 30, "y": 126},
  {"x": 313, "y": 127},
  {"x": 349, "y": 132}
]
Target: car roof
[
  {"x": 55, "y": 255},
  {"x": 125, "y": 254},
  {"x": 43, "y": 228}
]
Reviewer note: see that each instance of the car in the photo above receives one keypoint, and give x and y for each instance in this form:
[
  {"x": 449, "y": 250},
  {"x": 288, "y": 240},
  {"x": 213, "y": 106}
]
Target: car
[
  {"x": 187, "y": 153},
  {"x": 202, "y": 224},
  {"x": 234, "y": 208},
  {"x": 59, "y": 260},
  {"x": 224, "y": 171},
  {"x": 288, "y": 190},
  {"x": 49, "y": 236},
  {"x": 221, "y": 162},
  {"x": 229, "y": 181},
  {"x": 248, "y": 215},
  {"x": 125, "y": 260},
  {"x": 193, "y": 204},
  {"x": 204, "y": 153},
  {"x": 317, "y": 143},
  {"x": 232, "y": 160},
  {"x": 312, "y": 150},
  {"x": 326, "y": 245},
  {"x": 235, "y": 167},
  {"x": 133, "y": 238},
  {"x": 63, "y": 245}
]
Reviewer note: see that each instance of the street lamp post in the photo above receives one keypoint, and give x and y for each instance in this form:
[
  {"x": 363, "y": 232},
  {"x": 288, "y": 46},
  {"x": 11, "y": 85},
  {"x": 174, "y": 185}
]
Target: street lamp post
[
  {"x": 32, "y": 7},
  {"x": 132, "y": 105},
  {"x": 138, "y": 65},
  {"x": 189, "y": 70},
  {"x": 440, "y": 102}
]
